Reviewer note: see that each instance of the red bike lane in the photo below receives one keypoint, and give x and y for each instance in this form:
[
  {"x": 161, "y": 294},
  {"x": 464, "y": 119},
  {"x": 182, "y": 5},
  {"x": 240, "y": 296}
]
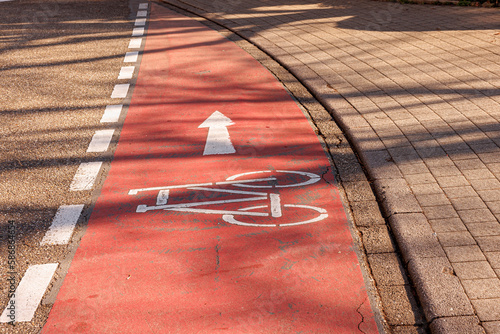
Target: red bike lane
[{"x": 219, "y": 213}]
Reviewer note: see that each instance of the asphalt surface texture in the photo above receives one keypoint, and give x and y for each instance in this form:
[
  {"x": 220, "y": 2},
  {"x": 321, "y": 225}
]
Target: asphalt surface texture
[{"x": 59, "y": 63}]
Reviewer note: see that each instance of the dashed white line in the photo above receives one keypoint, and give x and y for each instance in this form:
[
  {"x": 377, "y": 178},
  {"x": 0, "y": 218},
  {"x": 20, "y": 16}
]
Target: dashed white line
[
  {"x": 112, "y": 113},
  {"x": 29, "y": 293},
  {"x": 131, "y": 57},
  {"x": 85, "y": 176},
  {"x": 120, "y": 91},
  {"x": 135, "y": 43},
  {"x": 63, "y": 224},
  {"x": 138, "y": 32},
  {"x": 126, "y": 72},
  {"x": 100, "y": 141},
  {"x": 140, "y": 22}
]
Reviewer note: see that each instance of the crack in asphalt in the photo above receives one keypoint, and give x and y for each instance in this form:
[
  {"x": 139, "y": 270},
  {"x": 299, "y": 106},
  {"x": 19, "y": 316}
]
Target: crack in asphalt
[{"x": 362, "y": 316}]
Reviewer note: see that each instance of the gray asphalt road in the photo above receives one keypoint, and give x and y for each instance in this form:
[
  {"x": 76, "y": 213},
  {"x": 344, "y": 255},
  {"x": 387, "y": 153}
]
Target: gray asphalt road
[{"x": 59, "y": 62}]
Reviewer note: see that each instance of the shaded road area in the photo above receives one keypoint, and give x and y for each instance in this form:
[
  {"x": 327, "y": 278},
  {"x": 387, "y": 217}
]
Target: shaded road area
[{"x": 59, "y": 62}]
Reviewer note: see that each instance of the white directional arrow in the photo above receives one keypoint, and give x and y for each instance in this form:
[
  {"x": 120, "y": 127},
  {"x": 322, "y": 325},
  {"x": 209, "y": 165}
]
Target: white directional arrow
[{"x": 218, "y": 141}]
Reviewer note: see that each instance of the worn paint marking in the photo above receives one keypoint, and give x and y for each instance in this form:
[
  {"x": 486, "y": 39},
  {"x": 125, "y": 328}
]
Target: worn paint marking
[
  {"x": 112, "y": 113},
  {"x": 29, "y": 293},
  {"x": 85, "y": 176},
  {"x": 131, "y": 57},
  {"x": 62, "y": 226}
]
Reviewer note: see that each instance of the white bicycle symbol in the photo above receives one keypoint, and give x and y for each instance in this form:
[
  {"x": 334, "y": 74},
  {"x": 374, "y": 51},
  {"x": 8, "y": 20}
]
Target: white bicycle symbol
[{"x": 275, "y": 209}]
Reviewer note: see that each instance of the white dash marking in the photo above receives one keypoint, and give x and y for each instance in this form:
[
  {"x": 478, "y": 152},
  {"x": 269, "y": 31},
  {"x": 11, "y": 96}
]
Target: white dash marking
[
  {"x": 63, "y": 224},
  {"x": 120, "y": 91},
  {"x": 135, "y": 43},
  {"x": 131, "y": 57},
  {"x": 112, "y": 113},
  {"x": 29, "y": 292},
  {"x": 140, "y": 22},
  {"x": 142, "y": 13},
  {"x": 138, "y": 32},
  {"x": 6, "y": 0},
  {"x": 275, "y": 205},
  {"x": 100, "y": 141},
  {"x": 143, "y": 5},
  {"x": 85, "y": 176},
  {"x": 126, "y": 72}
]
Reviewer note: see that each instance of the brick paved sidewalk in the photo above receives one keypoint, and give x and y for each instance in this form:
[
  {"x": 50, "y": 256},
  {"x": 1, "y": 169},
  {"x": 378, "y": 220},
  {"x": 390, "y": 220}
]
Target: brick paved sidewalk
[{"x": 417, "y": 90}]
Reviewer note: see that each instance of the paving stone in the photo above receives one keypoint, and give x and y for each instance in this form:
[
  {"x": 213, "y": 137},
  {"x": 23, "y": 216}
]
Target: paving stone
[
  {"x": 492, "y": 327},
  {"x": 439, "y": 161},
  {"x": 493, "y": 157},
  {"x": 484, "y": 228},
  {"x": 487, "y": 309},
  {"x": 467, "y": 203},
  {"x": 420, "y": 179},
  {"x": 431, "y": 152},
  {"x": 397, "y": 298},
  {"x": 433, "y": 199},
  {"x": 490, "y": 195},
  {"x": 462, "y": 238},
  {"x": 380, "y": 164},
  {"x": 387, "y": 269},
  {"x": 495, "y": 168},
  {"x": 445, "y": 171},
  {"x": 366, "y": 213},
  {"x": 403, "y": 155},
  {"x": 440, "y": 212},
  {"x": 482, "y": 288},
  {"x": 489, "y": 243},
  {"x": 447, "y": 225},
  {"x": 408, "y": 330},
  {"x": 468, "y": 164},
  {"x": 464, "y": 253},
  {"x": 493, "y": 258},
  {"x": 452, "y": 181},
  {"x": 376, "y": 239},
  {"x": 476, "y": 215},
  {"x": 494, "y": 207},
  {"x": 457, "y": 192},
  {"x": 347, "y": 165},
  {"x": 477, "y": 174},
  {"x": 413, "y": 168},
  {"x": 456, "y": 325},
  {"x": 358, "y": 191},
  {"x": 473, "y": 270},
  {"x": 486, "y": 184},
  {"x": 415, "y": 237},
  {"x": 426, "y": 189},
  {"x": 397, "y": 196},
  {"x": 439, "y": 289}
]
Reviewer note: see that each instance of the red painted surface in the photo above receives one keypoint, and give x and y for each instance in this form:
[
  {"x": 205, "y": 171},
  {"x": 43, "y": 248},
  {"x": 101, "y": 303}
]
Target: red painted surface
[{"x": 181, "y": 272}]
